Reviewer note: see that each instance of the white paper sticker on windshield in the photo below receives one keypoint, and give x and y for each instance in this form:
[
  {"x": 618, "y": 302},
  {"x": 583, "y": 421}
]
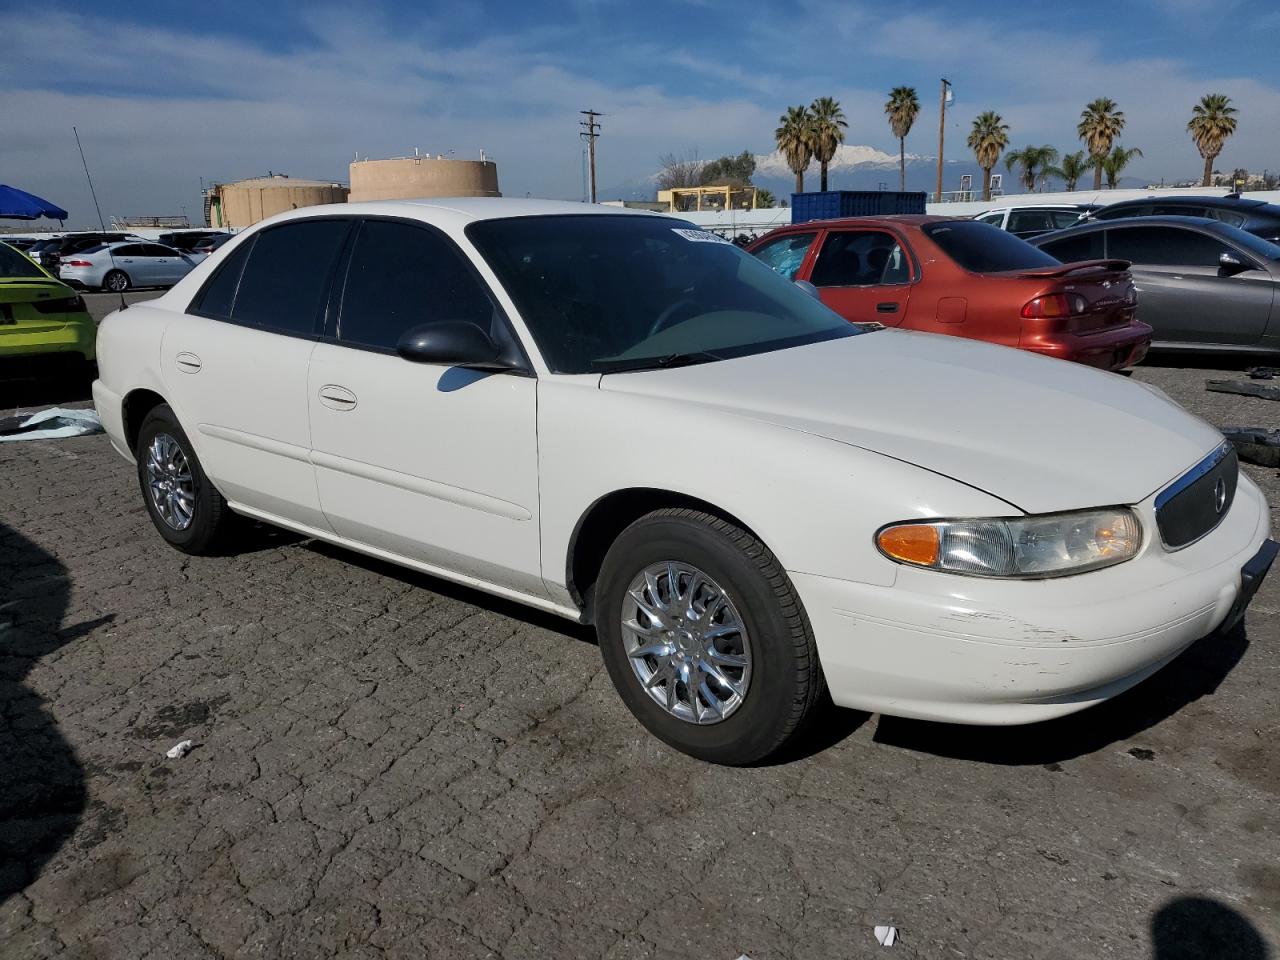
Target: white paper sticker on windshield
[{"x": 699, "y": 236}]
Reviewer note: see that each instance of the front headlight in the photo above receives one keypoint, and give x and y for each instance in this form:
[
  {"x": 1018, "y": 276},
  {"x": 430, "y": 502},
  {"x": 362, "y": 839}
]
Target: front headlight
[{"x": 1052, "y": 545}]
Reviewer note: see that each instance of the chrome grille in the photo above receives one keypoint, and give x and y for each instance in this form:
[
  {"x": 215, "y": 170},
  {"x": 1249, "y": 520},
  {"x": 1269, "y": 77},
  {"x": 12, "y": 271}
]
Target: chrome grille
[{"x": 1197, "y": 501}]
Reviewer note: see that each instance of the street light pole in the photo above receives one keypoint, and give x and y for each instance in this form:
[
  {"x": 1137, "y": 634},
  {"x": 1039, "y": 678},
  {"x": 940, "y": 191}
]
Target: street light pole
[{"x": 942, "y": 130}]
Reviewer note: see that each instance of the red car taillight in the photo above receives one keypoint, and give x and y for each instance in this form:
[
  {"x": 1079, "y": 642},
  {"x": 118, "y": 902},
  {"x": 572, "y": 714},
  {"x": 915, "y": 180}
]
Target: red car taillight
[
  {"x": 76, "y": 263},
  {"x": 1054, "y": 305}
]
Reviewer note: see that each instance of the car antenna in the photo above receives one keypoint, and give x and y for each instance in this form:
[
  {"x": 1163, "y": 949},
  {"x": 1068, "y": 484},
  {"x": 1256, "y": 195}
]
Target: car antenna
[{"x": 102, "y": 226}]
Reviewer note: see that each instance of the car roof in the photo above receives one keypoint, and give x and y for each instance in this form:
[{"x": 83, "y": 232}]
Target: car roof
[
  {"x": 1093, "y": 226},
  {"x": 1237, "y": 202},
  {"x": 902, "y": 219},
  {"x": 461, "y": 211}
]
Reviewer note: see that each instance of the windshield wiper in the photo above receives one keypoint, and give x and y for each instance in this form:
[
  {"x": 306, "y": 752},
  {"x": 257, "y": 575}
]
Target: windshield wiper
[{"x": 654, "y": 363}]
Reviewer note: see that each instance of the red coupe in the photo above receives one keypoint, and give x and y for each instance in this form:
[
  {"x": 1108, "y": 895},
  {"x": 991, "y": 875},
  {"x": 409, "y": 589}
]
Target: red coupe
[{"x": 965, "y": 279}]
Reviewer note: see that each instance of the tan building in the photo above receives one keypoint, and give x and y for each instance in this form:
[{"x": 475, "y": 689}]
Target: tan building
[
  {"x": 405, "y": 178},
  {"x": 245, "y": 202}
]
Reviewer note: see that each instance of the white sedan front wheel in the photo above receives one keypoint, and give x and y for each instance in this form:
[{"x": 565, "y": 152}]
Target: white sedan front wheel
[{"x": 704, "y": 637}]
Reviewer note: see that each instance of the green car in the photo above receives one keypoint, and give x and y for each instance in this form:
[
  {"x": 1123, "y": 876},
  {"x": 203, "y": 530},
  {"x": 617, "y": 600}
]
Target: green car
[{"x": 39, "y": 315}]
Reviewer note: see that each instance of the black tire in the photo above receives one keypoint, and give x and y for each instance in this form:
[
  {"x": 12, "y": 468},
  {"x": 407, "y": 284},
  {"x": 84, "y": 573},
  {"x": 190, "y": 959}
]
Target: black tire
[
  {"x": 116, "y": 281},
  {"x": 786, "y": 680},
  {"x": 211, "y": 519}
]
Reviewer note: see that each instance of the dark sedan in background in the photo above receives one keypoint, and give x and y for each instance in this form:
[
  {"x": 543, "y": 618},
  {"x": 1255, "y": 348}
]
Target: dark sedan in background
[
  {"x": 1258, "y": 217},
  {"x": 1202, "y": 284}
]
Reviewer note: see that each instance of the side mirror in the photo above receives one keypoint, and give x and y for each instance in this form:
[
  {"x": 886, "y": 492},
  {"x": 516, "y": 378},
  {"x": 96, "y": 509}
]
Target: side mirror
[
  {"x": 454, "y": 343},
  {"x": 1229, "y": 264},
  {"x": 808, "y": 288}
]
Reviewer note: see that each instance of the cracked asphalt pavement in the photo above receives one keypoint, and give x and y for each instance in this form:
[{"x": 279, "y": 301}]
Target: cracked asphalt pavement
[{"x": 386, "y": 765}]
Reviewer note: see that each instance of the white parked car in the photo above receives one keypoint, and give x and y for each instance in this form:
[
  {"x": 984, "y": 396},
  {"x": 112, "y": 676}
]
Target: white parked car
[
  {"x": 120, "y": 266},
  {"x": 625, "y": 420},
  {"x": 1037, "y": 219}
]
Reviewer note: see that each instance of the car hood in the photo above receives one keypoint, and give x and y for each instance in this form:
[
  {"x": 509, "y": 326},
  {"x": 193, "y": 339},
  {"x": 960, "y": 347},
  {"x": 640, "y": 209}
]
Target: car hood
[{"x": 1041, "y": 434}]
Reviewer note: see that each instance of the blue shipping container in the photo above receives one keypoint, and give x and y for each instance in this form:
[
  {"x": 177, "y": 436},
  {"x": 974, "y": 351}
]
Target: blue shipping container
[{"x": 830, "y": 204}]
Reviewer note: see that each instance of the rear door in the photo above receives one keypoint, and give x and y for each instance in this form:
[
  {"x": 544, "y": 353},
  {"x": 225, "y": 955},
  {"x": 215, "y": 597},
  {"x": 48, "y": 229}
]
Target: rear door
[
  {"x": 235, "y": 366},
  {"x": 864, "y": 275},
  {"x": 1182, "y": 291}
]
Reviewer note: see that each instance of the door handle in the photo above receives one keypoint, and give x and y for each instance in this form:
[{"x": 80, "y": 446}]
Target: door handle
[
  {"x": 187, "y": 362},
  {"x": 337, "y": 398},
  {"x": 886, "y": 308}
]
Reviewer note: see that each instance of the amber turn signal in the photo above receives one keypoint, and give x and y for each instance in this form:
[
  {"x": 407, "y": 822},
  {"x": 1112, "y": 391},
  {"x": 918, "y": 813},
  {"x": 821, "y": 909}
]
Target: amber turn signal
[{"x": 910, "y": 543}]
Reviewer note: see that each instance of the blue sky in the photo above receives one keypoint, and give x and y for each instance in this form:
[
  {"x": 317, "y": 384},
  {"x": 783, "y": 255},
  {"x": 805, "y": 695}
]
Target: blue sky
[{"x": 165, "y": 93}]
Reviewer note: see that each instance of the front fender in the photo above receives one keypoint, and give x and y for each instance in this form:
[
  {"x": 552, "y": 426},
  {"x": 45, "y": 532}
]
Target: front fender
[{"x": 816, "y": 502}]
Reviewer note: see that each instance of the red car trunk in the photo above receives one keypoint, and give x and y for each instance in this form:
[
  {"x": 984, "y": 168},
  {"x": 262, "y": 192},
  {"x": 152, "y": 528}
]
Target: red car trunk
[{"x": 963, "y": 278}]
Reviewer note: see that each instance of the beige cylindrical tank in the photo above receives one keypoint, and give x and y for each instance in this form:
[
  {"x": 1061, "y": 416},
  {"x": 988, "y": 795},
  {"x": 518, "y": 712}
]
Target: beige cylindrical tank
[
  {"x": 245, "y": 202},
  {"x": 406, "y": 178}
]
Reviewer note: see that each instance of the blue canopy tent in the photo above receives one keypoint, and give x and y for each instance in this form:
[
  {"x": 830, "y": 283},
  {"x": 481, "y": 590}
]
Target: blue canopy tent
[{"x": 17, "y": 204}]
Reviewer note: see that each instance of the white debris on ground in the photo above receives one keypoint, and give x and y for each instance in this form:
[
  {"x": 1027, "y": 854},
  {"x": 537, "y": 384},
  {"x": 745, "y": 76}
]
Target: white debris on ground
[
  {"x": 61, "y": 422},
  {"x": 180, "y": 750},
  {"x": 886, "y": 935}
]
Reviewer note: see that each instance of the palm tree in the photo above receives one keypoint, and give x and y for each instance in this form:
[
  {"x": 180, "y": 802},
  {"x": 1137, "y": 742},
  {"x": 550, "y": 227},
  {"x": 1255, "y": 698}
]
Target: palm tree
[
  {"x": 1034, "y": 162},
  {"x": 1100, "y": 124},
  {"x": 1212, "y": 123},
  {"x": 828, "y": 131},
  {"x": 1116, "y": 161},
  {"x": 902, "y": 109},
  {"x": 1071, "y": 170},
  {"x": 987, "y": 140},
  {"x": 794, "y": 137},
  {"x": 1047, "y": 158}
]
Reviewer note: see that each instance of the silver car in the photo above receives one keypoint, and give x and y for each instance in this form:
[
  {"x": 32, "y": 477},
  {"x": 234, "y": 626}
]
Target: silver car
[
  {"x": 122, "y": 265},
  {"x": 1202, "y": 284}
]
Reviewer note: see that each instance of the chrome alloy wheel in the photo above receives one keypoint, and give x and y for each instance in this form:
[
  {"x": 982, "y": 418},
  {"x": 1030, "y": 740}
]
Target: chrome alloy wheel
[
  {"x": 173, "y": 493},
  {"x": 686, "y": 642}
]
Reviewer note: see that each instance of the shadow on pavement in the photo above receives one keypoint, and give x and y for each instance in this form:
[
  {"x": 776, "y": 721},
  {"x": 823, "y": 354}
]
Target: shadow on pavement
[
  {"x": 1194, "y": 674},
  {"x": 456, "y": 591},
  {"x": 25, "y": 384},
  {"x": 1197, "y": 928},
  {"x": 1209, "y": 361},
  {"x": 42, "y": 785}
]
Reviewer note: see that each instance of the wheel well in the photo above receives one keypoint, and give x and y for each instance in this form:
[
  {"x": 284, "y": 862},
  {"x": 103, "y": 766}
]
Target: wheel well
[
  {"x": 605, "y": 520},
  {"x": 137, "y": 404}
]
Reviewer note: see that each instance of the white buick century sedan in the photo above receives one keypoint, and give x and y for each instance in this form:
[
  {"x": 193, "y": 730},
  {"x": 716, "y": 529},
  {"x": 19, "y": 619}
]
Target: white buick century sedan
[{"x": 625, "y": 420}]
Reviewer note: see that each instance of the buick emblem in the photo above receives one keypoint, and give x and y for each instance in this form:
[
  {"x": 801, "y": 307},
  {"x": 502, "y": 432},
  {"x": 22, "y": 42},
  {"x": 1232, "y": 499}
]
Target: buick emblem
[{"x": 1219, "y": 495}]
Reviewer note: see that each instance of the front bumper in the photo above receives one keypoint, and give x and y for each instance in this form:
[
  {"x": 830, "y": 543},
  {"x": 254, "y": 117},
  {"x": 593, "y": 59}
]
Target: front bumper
[{"x": 940, "y": 647}]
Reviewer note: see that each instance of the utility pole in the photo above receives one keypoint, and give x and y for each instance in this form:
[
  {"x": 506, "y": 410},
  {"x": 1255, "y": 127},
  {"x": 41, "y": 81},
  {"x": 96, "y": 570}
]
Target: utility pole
[
  {"x": 590, "y": 130},
  {"x": 942, "y": 130}
]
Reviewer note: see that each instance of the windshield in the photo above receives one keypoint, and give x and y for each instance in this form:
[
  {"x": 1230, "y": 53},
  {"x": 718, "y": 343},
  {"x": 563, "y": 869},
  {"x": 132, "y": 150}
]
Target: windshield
[
  {"x": 982, "y": 248},
  {"x": 601, "y": 292},
  {"x": 16, "y": 266}
]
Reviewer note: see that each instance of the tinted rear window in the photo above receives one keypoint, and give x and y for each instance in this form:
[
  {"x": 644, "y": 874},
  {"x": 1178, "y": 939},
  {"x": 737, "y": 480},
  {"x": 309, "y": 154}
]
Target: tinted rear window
[
  {"x": 982, "y": 248},
  {"x": 219, "y": 294},
  {"x": 284, "y": 283},
  {"x": 14, "y": 265}
]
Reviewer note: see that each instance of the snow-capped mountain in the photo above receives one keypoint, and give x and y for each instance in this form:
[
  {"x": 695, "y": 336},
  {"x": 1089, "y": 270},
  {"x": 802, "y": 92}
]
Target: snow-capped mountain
[{"x": 848, "y": 157}]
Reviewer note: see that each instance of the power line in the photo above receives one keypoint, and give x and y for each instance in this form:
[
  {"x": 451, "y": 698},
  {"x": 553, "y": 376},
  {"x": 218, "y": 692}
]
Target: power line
[{"x": 590, "y": 131}]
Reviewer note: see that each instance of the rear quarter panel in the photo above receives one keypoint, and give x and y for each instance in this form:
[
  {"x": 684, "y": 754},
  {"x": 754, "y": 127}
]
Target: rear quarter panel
[{"x": 129, "y": 357}]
